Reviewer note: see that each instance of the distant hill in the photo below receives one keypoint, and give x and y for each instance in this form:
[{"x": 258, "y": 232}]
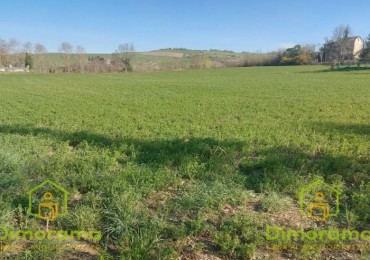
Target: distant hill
[{"x": 162, "y": 59}]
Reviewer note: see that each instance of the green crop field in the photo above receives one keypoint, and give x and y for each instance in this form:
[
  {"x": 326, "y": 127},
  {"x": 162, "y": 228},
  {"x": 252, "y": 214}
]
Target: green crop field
[{"x": 190, "y": 164}]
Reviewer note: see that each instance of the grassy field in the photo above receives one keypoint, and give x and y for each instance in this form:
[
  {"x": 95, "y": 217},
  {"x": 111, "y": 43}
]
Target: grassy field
[{"x": 190, "y": 164}]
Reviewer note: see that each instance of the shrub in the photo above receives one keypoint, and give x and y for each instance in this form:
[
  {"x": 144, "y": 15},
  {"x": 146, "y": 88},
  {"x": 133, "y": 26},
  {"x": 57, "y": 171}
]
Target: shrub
[
  {"x": 361, "y": 202},
  {"x": 28, "y": 61}
]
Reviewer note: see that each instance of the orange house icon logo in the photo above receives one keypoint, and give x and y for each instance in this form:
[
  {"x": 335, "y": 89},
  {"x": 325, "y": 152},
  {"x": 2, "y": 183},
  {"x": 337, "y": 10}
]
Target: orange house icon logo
[
  {"x": 319, "y": 201},
  {"x": 47, "y": 201}
]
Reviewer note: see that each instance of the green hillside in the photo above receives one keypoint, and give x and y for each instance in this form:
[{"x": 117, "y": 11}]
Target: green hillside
[{"x": 151, "y": 61}]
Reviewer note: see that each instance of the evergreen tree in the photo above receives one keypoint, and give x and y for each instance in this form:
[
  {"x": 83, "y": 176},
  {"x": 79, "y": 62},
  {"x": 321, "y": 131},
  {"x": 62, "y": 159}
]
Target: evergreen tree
[
  {"x": 365, "y": 54},
  {"x": 28, "y": 61}
]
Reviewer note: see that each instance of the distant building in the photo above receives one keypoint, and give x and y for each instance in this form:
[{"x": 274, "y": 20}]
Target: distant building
[
  {"x": 10, "y": 68},
  {"x": 352, "y": 49},
  {"x": 101, "y": 59},
  {"x": 358, "y": 45}
]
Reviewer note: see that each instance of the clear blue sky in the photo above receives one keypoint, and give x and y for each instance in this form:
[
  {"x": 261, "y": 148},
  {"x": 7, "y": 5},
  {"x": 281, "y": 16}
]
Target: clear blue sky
[{"x": 239, "y": 25}]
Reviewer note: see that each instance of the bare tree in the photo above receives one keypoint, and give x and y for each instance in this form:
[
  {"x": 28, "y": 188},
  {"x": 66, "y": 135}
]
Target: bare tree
[
  {"x": 40, "y": 50},
  {"x": 67, "y": 49},
  {"x": 125, "y": 52},
  {"x": 27, "y": 50},
  {"x": 4, "y": 51},
  {"x": 14, "y": 49},
  {"x": 340, "y": 38},
  {"x": 27, "y": 47},
  {"x": 80, "y": 50}
]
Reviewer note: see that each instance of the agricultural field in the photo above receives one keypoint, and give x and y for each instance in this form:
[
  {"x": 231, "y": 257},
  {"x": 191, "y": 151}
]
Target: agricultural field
[{"x": 184, "y": 165}]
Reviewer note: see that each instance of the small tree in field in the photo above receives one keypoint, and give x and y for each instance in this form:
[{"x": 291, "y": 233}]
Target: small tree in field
[
  {"x": 28, "y": 62},
  {"x": 40, "y": 51},
  {"x": 66, "y": 48},
  {"x": 125, "y": 52},
  {"x": 80, "y": 51},
  {"x": 365, "y": 54},
  {"x": 340, "y": 38},
  {"x": 4, "y": 52}
]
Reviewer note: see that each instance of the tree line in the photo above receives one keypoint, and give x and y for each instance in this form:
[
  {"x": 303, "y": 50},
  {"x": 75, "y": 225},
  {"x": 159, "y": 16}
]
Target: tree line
[
  {"x": 13, "y": 52},
  {"x": 337, "y": 50},
  {"x": 120, "y": 60},
  {"x": 75, "y": 59}
]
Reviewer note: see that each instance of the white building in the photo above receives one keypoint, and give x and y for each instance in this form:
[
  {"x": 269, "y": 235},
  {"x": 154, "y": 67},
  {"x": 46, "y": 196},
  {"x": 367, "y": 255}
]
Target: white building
[
  {"x": 352, "y": 51},
  {"x": 357, "y": 44}
]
